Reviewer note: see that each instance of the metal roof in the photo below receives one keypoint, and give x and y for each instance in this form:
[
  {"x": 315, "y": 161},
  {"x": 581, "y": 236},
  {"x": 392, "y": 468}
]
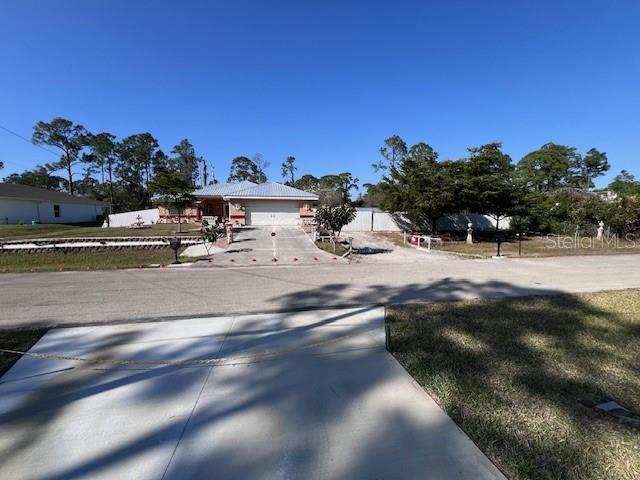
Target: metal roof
[
  {"x": 26, "y": 192},
  {"x": 272, "y": 190},
  {"x": 221, "y": 189}
]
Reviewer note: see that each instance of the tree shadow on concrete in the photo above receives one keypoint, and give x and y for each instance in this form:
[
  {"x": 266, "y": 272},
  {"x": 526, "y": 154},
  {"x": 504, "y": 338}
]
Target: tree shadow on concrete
[
  {"x": 299, "y": 391},
  {"x": 287, "y": 414}
]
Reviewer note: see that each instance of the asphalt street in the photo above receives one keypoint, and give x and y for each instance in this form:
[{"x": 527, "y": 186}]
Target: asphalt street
[{"x": 77, "y": 298}]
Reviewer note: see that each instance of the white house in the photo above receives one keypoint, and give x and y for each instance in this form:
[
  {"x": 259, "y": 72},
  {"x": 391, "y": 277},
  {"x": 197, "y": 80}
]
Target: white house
[{"x": 24, "y": 204}]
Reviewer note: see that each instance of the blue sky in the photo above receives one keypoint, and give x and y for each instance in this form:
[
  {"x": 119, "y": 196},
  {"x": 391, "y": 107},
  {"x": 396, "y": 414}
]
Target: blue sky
[{"x": 325, "y": 81}]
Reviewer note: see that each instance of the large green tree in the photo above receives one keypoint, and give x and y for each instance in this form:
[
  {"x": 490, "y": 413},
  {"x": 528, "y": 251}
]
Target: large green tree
[
  {"x": 242, "y": 169},
  {"x": 419, "y": 186},
  {"x": 186, "y": 161},
  {"x": 308, "y": 183},
  {"x": 625, "y": 185},
  {"x": 373, "y": 195},
  {"x": 248, "y": 169},
  {"x": 392, "y": 152},
  {"x": 288, "y": 168},
  {"x": 103, "y": 154},
  {"x": 345, "y": 183},
  {"x": 547, "y": 168},
  {"x": 588, "y": 167},
  {"x": 65, "y": 135},
  {"x": 261, "y": 167},
  {"x": 331, "y": 190},
  {"x": 173, "y": 190},
  {"x": 135, "y": 157},
  {"x": 490, "y": 185}
]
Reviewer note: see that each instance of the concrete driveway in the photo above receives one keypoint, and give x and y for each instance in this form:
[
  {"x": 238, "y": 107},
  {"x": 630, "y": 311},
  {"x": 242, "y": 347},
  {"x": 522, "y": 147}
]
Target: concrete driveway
[
  {"x": 299, "y": 395},
  {"x": 256, "y": 246}
]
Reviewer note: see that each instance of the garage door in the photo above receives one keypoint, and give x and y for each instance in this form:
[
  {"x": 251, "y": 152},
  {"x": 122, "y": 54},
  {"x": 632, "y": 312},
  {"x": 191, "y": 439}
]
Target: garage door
[{"x": 272, "y": 213}]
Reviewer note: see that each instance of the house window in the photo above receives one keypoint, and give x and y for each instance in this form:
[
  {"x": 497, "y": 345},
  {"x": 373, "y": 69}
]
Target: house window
[{"x": 56, "y": 211}]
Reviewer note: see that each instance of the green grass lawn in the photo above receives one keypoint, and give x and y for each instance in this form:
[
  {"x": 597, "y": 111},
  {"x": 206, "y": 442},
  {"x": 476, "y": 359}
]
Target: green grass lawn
[
  {"x": 21, "y": 340},
  {"x": 89, "y": 260},
  {"x": 521, "y": 377},
  {"x": 19, "y": 232}
]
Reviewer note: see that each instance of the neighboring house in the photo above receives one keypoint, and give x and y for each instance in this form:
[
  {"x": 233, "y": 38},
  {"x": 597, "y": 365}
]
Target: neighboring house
[
  {"x": 247, "y": 203},
  {"x": 24, "y": 204}
]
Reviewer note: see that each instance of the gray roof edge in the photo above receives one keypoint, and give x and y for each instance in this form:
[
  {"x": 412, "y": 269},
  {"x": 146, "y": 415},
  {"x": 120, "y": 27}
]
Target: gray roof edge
[
  {"x": 18, "y": 191},
  {"x": 274, "y": 197},
  {"x": 272, "y": 192}
]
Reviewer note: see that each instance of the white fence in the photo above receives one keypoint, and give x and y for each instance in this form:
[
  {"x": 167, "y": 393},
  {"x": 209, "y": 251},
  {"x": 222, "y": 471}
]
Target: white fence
[
  {"x": 375, "y": 220},
  {"x": 126, "y": 219}
]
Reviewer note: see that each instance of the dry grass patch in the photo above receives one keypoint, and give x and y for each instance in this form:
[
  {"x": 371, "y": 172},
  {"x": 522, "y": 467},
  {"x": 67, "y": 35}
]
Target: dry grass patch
[
  {"x": 543, "y": 247},
  {"x": 521, "y": 377}
]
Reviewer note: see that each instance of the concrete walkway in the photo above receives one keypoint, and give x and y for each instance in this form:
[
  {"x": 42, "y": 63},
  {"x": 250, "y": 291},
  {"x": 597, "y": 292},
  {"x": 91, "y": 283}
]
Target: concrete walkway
[{"x": 302, "y": 395}]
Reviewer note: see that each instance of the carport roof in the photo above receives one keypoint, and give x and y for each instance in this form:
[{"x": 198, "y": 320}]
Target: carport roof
[{"x": 272, "y": 191}]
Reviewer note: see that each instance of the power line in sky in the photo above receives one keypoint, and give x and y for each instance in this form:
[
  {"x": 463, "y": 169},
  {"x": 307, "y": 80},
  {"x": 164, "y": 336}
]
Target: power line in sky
[{"x": 28, "y": 141}]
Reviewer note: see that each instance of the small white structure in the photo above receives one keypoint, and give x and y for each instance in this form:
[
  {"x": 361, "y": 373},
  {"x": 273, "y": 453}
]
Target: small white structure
[
  {"x": 149, "y": 216},
  {"x": 25, "y": 204}
]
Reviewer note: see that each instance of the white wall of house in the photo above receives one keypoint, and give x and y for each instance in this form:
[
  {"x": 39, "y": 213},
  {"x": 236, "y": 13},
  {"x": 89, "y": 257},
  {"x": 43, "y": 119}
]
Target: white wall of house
[
  {"x": 15, "y": 211},
  {"x": 126, "y": 219}
]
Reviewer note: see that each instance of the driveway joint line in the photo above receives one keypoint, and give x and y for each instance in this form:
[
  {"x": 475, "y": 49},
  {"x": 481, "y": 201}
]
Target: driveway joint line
[{"x": 195, "y": 404}]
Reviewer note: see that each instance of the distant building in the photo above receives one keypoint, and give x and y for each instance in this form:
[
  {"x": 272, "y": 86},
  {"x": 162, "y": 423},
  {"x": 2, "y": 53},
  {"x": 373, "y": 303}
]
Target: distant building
[{"x": 24, "y": 204}]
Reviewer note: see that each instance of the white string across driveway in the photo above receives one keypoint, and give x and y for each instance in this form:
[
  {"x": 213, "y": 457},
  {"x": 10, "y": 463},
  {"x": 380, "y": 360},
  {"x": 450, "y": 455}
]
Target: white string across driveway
[{"x": 229, "y": 360}]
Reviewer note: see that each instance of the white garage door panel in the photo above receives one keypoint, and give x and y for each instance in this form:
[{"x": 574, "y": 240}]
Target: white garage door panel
[{"x": 272, "y": 213}]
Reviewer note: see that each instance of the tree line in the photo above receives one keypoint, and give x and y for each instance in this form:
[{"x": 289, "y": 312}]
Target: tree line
[
  {"x": 130, "y": 172},
  {"x": 549, "y": 190},
  {"x": 98, "y": 165}
]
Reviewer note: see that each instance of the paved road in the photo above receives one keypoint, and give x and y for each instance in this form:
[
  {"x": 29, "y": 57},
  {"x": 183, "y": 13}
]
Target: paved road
[
  {"x": 344, "y": 409},
  {"x": 72, "y": 298}
]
